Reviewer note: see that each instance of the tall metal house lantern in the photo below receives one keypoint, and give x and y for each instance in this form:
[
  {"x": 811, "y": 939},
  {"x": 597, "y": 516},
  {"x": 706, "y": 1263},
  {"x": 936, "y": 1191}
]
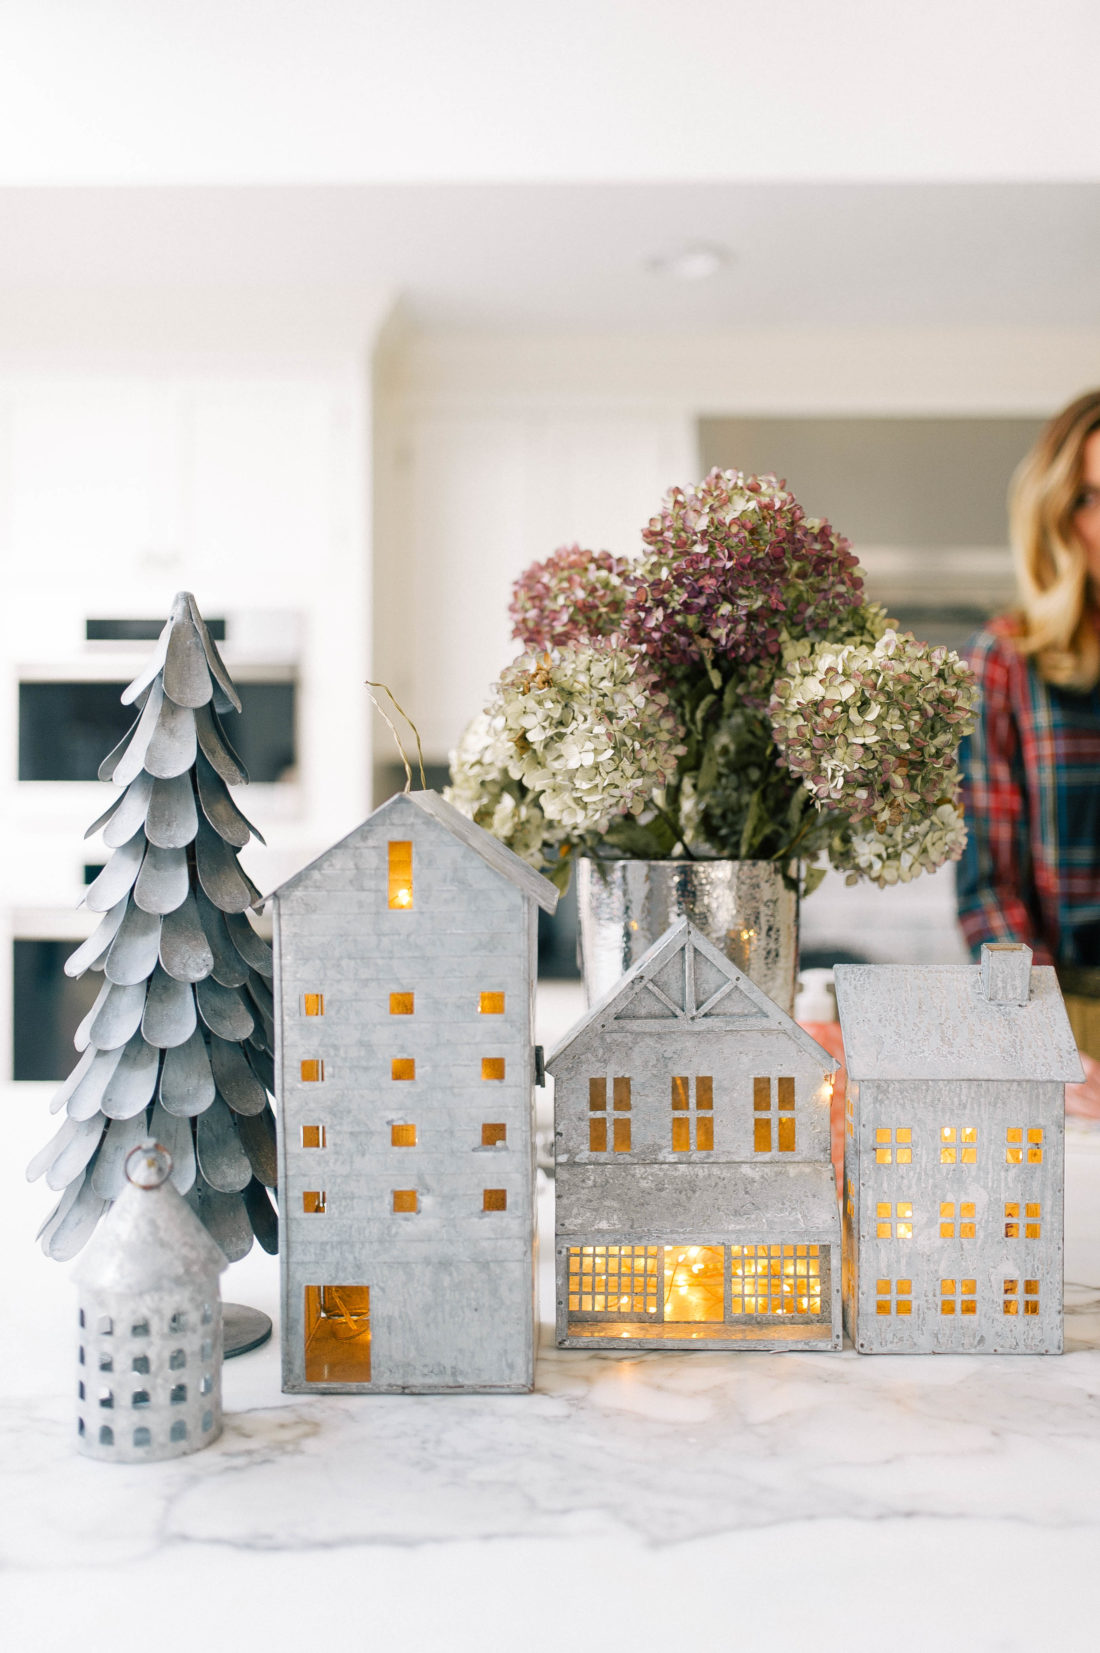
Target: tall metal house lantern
[
  {"x": 150, "y": 1323},
  {"x": 405, "y": 970},
  {"x": 953, "y": 1154},
  {"x": 696, "y": 1205}
]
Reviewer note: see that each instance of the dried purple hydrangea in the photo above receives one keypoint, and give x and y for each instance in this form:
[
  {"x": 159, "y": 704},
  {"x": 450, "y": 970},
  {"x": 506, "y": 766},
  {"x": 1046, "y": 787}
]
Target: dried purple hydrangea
[
  {"x": 732, "y": 564},
  {"x": 575, "y": 596}
]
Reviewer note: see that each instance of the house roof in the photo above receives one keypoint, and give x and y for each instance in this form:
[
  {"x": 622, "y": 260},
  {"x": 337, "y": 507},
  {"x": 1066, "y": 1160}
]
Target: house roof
[
  {"x": 663, "y": 1204},
  {"x": 491, "y": 850},
  {"x": 150, "y": 1239},
  {"x": 684, "y": 981},
  {"x": 932, "y": 1021}
]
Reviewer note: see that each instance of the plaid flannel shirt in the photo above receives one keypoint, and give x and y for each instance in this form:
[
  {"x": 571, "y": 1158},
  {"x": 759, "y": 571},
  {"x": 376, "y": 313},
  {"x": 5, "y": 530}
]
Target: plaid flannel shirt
[{"x": 1031, "y": 792}]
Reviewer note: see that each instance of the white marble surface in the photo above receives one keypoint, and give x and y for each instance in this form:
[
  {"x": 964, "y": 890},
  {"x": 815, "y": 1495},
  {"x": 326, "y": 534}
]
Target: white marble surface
[{"x": 746, "y": 1501}]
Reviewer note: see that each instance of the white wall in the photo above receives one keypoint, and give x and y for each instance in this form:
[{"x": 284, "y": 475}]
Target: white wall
[
  {"x": 129, "y": 471},
  {"x": 248, "y": 91},
  {"x": 495, "y": 450}
]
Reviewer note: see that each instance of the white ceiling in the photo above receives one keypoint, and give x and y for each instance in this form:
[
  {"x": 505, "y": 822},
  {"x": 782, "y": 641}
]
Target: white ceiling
[
  {"x": 375, "y": 91},
  {"x": 530, "y": 257}
]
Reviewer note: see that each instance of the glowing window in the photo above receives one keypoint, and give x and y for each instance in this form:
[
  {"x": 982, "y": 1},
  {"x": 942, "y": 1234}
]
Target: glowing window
[
  {"x": 337, "y": 1334},
  {"x": 775, "y": 1279},
  {"x": 490, "y": 1004},
  {"x": 313, "y": 1201},
  {"x": 400, "y": 874},
  {"x": 402, "y": 1004},
  {"x": 313, "y": 1004},
  {"x": 597, "y": 1116},
  {"x": 405, "y": 1199},
  {"x": 849, "y": 1117},
  {"x": 894, "y": 1146},
  {"x": 313, "y": 1136},
  {"x": 492, "y": 1067},
  {"x": 894, "y": 1222},
  {"x": 965, "y": 1224},
  {"x": 403, "y": 1136},
  {"x": 1020, "y": 1140},
  {"x": 849, "y": 1199},
  {"x": 693, "y": 1114},
  {"x": 1032, "y": 1224},
  {"x": 313, "y": 1071},
  {"x": 961, "y": 1292},
  {"x": 893, "y": 1297},
  {"x": 958, "y": 1145},
  {"x": 494, "y": 1136},
  {"x": 494, "y": 1199},
  {"x": 621, "y": 1281},
  {"x": 773, "y": 1120},
  {"x": 1013, "y": 1296},
  {"x": 403, "y": 1067}
]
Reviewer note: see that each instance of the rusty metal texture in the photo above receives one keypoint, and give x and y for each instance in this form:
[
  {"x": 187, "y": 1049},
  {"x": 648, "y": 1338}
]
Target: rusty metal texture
[{"x": 184, "y": 972}]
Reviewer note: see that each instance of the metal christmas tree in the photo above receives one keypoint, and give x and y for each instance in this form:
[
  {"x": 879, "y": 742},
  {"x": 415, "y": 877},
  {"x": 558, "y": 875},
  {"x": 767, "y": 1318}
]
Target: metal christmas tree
[{"x": 178, "y": 1045}]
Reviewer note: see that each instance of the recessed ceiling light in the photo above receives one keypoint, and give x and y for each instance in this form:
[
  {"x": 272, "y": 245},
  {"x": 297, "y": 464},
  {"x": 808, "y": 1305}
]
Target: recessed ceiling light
[{"x": 697, "y": 262}]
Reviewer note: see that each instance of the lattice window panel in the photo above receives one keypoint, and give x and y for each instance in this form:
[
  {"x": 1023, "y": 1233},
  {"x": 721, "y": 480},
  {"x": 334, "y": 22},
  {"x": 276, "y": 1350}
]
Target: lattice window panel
[
  {"x": 894, "y": 1146},
  {"x": 1024, "y": 1144},
  {"x": 957, "y": 1221},
  {"x": 616, "y": 1281},
  {"x": 893, "y": 1297},
  {"x": 958, "y": 1145},
  {"x": 775, "y": 1279}
]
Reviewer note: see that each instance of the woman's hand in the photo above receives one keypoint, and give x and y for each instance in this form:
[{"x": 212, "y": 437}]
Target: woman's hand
[{"x": 1083, "y": 1101}]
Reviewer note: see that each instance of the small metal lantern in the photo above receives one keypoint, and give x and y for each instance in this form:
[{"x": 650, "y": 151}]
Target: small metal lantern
[{"x": 150, "y": 1318}]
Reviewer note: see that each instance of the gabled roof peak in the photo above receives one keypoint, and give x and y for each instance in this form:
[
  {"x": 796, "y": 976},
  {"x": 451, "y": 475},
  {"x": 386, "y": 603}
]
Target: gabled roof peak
[
  {"x": 491, "y": 850},
  {"x": 684, "y": 981}
]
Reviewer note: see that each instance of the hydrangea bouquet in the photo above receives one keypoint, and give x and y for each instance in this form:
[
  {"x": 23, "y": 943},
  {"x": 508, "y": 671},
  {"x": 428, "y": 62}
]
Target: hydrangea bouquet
[{"x": 728, "y": 693}]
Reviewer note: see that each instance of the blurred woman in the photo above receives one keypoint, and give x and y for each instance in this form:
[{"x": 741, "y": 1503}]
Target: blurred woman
[{"x": 1031, "y": 869}]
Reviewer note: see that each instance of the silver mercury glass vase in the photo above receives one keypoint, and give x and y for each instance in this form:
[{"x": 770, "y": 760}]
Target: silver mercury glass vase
[{"x": 743, "y": 907}]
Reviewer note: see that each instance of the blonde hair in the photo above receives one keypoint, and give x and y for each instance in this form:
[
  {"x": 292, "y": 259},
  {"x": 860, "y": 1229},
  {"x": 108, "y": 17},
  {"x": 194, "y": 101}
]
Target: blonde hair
[{"x": 1056, "y": 612}]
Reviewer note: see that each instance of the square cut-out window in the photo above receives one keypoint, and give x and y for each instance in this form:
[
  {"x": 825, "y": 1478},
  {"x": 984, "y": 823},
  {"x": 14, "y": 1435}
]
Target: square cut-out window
[
  {"x": 400, "y": 874},
  {"x": 313, "y": 1004},
  {"x": 494, "y": 1199},
  {"x": 314, "y": 1136},
  {"x": 403, "y": 1067},
  {"x": 494, "y": 1136},
  {"x": 490, "y": 1004},
  {"x": 313, "y": 1071},
  {"x": 403, "y": 1136},
  {"x": 313, "y": 1201},
  {"x": 492, "y": 1067},
  {"x": 405, "y": 1200},
  {"x": 402, "y": 1004}
]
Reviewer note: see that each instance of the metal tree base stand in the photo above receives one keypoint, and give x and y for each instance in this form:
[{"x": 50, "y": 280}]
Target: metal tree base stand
[{"x": 244, "y": 1329}]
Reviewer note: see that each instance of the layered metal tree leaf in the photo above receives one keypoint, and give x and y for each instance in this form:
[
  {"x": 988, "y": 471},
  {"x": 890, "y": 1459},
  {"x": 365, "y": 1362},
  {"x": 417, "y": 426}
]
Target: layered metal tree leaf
[{"x": 179, "y": 1045}]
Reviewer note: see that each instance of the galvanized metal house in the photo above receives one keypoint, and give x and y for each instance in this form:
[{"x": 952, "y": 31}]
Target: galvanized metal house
[
  {"x": 696, "y": 1205},
  {"x": 405, "y": 964},
  {"x": 953, "y": 1154}
]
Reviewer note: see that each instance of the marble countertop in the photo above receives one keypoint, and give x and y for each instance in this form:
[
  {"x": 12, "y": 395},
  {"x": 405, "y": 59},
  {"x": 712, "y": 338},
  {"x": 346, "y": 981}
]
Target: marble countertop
[{"x": 749, "y": 1500}]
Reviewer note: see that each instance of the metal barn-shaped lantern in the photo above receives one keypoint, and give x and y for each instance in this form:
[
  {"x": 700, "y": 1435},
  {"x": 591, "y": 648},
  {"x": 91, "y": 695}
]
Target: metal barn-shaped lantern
[
  {"x": 953, "y": 1154},
  {"x": 150, "y": 1353},
  {"x": 696, "y": 1205},
  {"x": 405, "y": 962}
]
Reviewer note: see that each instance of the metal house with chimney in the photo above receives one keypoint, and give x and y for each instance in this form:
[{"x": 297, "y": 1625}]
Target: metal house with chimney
[
  {"x": 696, "y": 1205},
  {"x": 405, "y": 969},
  {"x": 953, "y": 1154}
]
